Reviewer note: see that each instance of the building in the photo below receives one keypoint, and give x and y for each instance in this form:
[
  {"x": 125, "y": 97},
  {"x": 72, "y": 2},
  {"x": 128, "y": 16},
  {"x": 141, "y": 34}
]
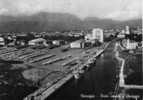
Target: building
[
  {"x": 127, "y": 30},
  {"x": 2, "y": 42},
  {"x": 97, "y": 34},
  {"x": 20, "y": 43},
  {"x": 77, "y": 44},
  {"x": 11, "y": 44},
  {"x": 22, "y": 39},
  {"x": 76, "y": 33},
  {"x": 131, "y": 45},
  {"x": 56, "y": 42},
  {"x": 121, "y": 34},
  {"x": 38, "y": 42}
]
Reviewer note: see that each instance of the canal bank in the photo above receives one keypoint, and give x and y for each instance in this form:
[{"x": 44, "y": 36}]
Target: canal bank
[
  {"x": 130, "y": 77},
  {"x": 99, "y": 80}
]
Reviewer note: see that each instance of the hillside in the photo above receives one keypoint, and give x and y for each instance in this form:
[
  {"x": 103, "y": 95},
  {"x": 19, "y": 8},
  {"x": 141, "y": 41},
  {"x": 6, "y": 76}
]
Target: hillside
[{"x": 44, "y": 21}]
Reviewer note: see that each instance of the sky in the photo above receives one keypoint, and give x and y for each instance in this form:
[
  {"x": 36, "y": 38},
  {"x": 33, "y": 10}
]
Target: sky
[{"x": 114, "y": 9}]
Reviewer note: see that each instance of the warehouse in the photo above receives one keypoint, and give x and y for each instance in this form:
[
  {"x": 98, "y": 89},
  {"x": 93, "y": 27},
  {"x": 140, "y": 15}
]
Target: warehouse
[{"x": 77, "y": 44}]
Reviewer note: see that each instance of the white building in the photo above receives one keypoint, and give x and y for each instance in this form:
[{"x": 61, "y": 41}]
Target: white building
[
  {"x": 56, "y": 42},
  {"x": 131, "y": 45},
  {"x": 121, "y": 36},
  {"x": 2, "y": 42},
  {"x": 38, "y": 42},
  {"x": 127, "y": 30},
  {"x": 97, "y": 33},
  {"x": 123, "y": 32},
  {"x": 77, "y": 44}
]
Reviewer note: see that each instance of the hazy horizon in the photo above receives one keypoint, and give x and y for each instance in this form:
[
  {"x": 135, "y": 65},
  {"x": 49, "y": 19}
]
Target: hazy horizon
[{"x": 104, "y": 9}]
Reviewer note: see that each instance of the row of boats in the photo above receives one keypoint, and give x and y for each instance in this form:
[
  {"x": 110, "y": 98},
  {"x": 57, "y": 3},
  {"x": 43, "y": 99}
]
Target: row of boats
[{"x": 78, "y": 71}]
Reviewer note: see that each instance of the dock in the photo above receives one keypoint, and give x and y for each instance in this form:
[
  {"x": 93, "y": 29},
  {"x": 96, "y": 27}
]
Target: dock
[
  {"x": 52, "y": 68},
  {"x": 43, "y": 93}
]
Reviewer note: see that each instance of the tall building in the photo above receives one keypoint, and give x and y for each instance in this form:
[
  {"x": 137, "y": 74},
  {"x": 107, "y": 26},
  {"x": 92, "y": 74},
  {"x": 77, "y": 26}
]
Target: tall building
[
  {"x": 127, "y": 30},
  {"x": 97, "y": 33}
]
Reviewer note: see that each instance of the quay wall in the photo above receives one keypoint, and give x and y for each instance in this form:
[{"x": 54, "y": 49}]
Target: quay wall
[{"x": 43, "y": 93}]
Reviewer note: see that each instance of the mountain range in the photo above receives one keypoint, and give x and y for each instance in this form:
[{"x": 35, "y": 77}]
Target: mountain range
[{"x": 45, "y": 21}]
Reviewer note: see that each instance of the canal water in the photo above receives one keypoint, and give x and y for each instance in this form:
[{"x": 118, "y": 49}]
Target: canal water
[{"x": 97, "y": 82}]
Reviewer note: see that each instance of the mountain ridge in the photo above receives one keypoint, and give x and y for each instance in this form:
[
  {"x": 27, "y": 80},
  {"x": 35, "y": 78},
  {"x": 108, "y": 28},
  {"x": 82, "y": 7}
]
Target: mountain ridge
[{"x": 44, "y": 21}]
